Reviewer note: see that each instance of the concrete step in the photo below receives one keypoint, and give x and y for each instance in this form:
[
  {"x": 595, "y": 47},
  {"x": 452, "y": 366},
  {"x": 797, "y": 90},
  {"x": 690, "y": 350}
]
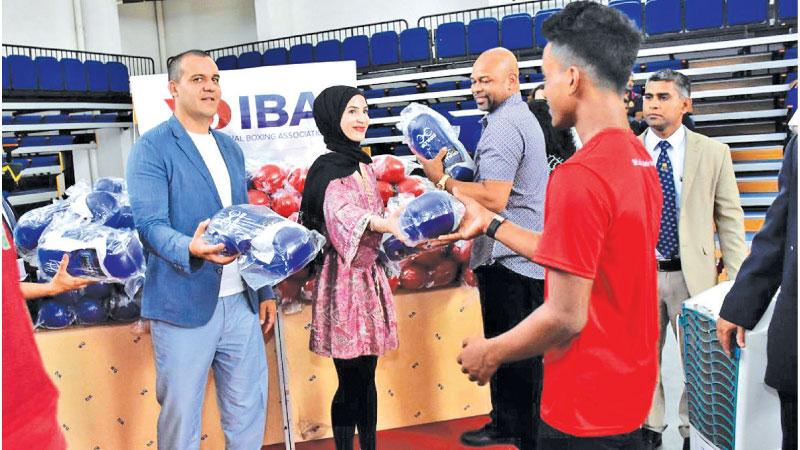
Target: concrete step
[
  {"x": 729, "y": 60},
  {"x": 756, "y": 154},
  {"x": 732, "y": 129},
  {"x": 732, "y": 106},
  {"x": 731, "y": 83}
]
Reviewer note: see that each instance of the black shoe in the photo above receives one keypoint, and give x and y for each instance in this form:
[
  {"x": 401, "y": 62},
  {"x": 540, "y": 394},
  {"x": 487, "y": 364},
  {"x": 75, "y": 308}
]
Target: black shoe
[
  {"x": 488, "y": 435},
  {"x": 686, "y": 443},
  {"x": 651, "y": 439}
]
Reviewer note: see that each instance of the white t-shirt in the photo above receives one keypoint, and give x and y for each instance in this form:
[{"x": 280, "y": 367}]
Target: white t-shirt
[{"x": 207, "y": 146}]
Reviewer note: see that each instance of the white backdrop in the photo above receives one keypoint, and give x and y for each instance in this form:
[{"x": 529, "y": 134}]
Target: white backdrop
[{"x": 266, "y": 110}]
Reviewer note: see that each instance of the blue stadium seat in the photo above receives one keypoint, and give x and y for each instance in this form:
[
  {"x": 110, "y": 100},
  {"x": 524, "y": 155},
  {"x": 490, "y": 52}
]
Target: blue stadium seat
[
  {"x": 105, "y": 118},
  {"x": 276, "y": 57},
  {"x": 118, "y": 76},
  {"x": 703, "y": 14},
  {"x": 228, "y": 62},
  {"x": 33, "y": 141},
  {"x": 516, "y": 31},
  {"x": 27, "y": 119},
  {"x": 631, "y": 8},
  {"x": 7, "y": 119},
  {"x": 470, "y": 131},
  {"x": 443, "y": 108},
  {"x": 356, "y": 48},
  {"x": 442, "y": 86},
  {"x": 23, "y": 72},
  {"x": 535, "y": 77},
  {"x": 377, "y": 132},
  {"x": 97, "y": 76},
  {"x": 385, "y": 48},
  {"x": 62, "y": 139},
  {"x": 791, "y": 99},
  {"x": 249, "y": 59},
  {"x": 10, "y": 141},
  {"x": 403, "y": 90},
  {"x": 465, "y": 84},
  {"x": 55, "y": 118},
  {"x": 375, "y": 113},
  {"x": 74, "y": 75},
  {"x": 50, "y": 73},
  {"x": 791, "y": 53},
  {"x": 330, "y": 50},
  {"x": 663, "y": 16},
  {"x": 742, "y": 12},
  {"x": 673, "y": 64},
  {"x": 538, "y": 20},
  {"x": 414, "y": 45},
  {"x": 482, "y": 34},
  {"x": 402, "y": 150},
  {"x": 81, "y": 118},
  {"x": 469, "y": 104},
  {"x": 301, "y": 54},
  {"x": 6, "y": 74},
  {"x": 451, "y": 40},
  {"x": 787, "y": 9},
  {"x": 373, "y": 93}
]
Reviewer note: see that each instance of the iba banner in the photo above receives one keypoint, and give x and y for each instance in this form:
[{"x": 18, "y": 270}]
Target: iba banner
[{"x": 266, "y": 110}]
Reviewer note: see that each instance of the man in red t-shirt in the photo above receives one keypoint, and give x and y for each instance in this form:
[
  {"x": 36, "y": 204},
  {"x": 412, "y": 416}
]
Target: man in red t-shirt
[
  {"x": 598, "y": 328},
  {"x": 30, "y": 400}
]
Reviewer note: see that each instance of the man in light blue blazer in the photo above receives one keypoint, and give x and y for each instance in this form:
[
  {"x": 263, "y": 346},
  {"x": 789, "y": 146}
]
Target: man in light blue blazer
[{"x": 202, "y": 314}]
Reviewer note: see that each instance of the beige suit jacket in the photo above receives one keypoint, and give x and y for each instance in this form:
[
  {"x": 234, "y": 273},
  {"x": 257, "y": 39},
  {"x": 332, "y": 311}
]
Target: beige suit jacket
[{"x": 709, "y": 198}]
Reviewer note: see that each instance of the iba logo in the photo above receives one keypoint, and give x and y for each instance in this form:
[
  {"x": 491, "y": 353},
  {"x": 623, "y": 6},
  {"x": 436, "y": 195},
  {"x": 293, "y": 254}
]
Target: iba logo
[{"x": 223, "y": 112}]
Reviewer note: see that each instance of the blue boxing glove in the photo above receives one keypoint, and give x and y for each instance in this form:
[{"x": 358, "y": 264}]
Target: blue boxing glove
[
  {"x": 100, "y": 291},
  {"x": 235, "y": 226},
  {"x": 429, "y": 216},
  {"x": 427, "y": 132},
  {"x": 31, "y": 226},
  {"x": 110, "y": 184},
  {"x": 89, "y": 311},
  {"x": 54, "y": 315},
  {"x": 280, "y": 249}
]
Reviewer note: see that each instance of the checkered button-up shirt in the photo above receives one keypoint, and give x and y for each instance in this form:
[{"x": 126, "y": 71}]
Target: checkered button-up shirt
[{"x": 512, "y": 148}]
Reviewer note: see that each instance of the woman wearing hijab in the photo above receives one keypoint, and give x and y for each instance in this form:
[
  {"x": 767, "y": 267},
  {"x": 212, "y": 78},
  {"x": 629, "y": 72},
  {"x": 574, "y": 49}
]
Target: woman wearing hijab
[{"x": 353, "y": 318}]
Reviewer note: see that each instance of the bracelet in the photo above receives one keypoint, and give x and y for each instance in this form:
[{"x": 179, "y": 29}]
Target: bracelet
[
  {"x": 442, "y": 183},
  {"x": 497, "y": 220}
]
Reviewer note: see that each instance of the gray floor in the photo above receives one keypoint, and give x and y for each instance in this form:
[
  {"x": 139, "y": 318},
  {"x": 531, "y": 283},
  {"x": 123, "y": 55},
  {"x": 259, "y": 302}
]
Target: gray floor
[{"x": 672, "y": 374}]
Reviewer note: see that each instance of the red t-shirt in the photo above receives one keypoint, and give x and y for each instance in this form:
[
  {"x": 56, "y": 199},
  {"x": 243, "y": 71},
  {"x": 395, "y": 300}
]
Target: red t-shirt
[
  {"x": 602, "y": 216},
  {"x": 30, "y": 399}
]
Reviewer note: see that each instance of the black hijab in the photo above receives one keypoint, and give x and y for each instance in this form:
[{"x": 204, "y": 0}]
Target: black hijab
[{"x": 329, "y": 107}]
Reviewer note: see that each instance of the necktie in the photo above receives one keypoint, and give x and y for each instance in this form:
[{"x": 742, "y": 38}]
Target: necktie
[{"x": 668, "y": 237}]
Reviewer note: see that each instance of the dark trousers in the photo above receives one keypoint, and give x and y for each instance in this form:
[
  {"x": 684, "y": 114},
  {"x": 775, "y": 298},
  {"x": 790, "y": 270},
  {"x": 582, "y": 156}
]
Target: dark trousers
[
  {"x": 355, "y": 402},
  {"x": 552, "y": 439},
  {"x": 506, "y": 299},
  {"x": 789, "y": 419}
]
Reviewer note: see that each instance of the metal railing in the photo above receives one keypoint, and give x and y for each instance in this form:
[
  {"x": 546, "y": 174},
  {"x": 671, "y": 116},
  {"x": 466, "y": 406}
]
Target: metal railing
[
  {"x": 310, "y": 38},
  {"x": 137, "y": 65},
  {"x": 498, "y": 11}
]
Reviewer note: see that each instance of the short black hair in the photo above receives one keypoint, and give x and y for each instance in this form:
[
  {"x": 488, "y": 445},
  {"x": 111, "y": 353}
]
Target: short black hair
[
  {"x": 599, "y": 39},
  {"x": 174, "y": 63}
]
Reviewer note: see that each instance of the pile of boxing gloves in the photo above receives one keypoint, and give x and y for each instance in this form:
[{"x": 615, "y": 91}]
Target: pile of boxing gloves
[
  {"x": 423, "y": 218},
  {"x": 278, "y": 187},
  {"x": 270, "y": 248},
  {"x": 95, "y": 228}
]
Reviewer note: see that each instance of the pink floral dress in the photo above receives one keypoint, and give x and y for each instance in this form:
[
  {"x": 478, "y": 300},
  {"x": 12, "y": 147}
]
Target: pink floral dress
[{"x": 353, "y": 309}]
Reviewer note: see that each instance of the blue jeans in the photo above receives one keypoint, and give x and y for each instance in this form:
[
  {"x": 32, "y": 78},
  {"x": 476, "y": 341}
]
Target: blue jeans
[{"x": 232, "y": 344}]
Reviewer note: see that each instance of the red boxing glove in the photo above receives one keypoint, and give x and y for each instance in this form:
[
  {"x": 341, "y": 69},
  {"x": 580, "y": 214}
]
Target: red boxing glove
[
  {"x": 257, "y": 197},
  {"x": 389, "y": 168},
  {"x": 269, "y": 178},
  {"x": 297, "y": 179}
]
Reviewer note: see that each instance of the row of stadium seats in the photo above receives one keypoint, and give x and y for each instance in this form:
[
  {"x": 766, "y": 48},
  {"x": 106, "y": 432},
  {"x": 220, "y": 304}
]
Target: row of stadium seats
[
  {"x": 36, "y": 119},
  {"x": 68, "y": 75},
  {"x": 515, "y": 32}
]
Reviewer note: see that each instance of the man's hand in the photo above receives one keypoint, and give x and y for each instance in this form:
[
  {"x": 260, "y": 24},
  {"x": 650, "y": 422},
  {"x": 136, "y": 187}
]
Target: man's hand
[
  {"x": 199, "y": 248},
  {"x": 267, "y": 312},
  {"x": 477, "y": 360},
  {"x": 434, "y": 167},
  {"x": 725, "y": 331},
  {"x": 476, "y": 220},
  {"x": 63, "y": 282}
]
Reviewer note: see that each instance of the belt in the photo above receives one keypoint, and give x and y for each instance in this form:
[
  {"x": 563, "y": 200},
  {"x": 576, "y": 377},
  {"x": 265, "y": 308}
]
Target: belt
[{"x": 669, "y": 265}]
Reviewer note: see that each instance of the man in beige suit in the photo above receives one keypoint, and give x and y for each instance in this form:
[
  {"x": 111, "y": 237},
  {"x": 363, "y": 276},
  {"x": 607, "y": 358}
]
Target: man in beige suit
[{"x": 700, "y": 194}]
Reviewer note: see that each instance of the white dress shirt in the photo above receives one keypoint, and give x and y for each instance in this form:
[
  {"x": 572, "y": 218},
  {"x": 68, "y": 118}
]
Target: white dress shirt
[
  {"x": 207, "y": 146},
  {"x": 676, "y": 153}
]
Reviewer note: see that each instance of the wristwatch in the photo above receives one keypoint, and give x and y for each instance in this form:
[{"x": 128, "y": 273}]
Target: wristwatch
[
  {"x": 497, "y": 220},
  {"x": 442, "y": 183}
]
